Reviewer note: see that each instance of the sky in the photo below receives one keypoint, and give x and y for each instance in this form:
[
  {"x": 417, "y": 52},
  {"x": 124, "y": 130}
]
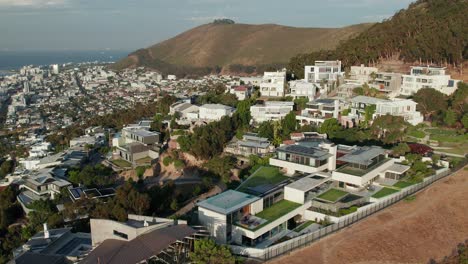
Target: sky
[{"x": 132, "y": 24}]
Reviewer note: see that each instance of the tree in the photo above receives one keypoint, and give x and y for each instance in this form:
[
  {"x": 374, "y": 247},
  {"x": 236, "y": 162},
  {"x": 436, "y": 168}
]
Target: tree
[
  {"x": 430, "y": 101},
  {"x": 465, "y": 121},
  {"x": 206, "y": 251},
  {"x": 389, "y": 129},
  {"x": 301, "y": 103},
  {"x": 450, "y": 117},
  {"x": 330, "y": 127},
  {"x": 221, "y": 166},
  {"x": 266, "y": 130},
  {"x": 289, "y": 124},
  {"x": 131, "y": 200},
  {"x": 243, "y": 112},
  {"x": 6, "y": 168},
  {"x": 401, "y": 149}
]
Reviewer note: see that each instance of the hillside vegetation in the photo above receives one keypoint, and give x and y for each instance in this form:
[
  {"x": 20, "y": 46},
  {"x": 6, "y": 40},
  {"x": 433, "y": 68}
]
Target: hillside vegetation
[
  {"x": 429, "y": 31},
  {"x": 236, "y": 47}
]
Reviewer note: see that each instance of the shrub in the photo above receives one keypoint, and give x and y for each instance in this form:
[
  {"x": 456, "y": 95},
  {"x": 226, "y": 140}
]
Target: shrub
[{"x": 167, "y": 161}]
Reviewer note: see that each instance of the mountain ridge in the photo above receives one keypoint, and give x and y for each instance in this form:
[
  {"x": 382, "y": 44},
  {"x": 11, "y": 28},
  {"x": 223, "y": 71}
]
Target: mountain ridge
[{"x": 220, "y": 46}]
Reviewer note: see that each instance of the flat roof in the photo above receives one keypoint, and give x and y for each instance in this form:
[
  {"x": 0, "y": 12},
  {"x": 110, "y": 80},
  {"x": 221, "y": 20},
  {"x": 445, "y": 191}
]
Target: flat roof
[
  {"x": 308, "y": 183},
  {"x": 217, "y": 106},
  {"x": 228, "y": 201},
  {"x": 254, "y": 144},
  {"x": 144, "y": 133},
  {"x": 398, "y": 168},
  {"x": 367, "y": 100},
  {"x": 306, "y": 151},
  {"x": 362, "y": 155}
]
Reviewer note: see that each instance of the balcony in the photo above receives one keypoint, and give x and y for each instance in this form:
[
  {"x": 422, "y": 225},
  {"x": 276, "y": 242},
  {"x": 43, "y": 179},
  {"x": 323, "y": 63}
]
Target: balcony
[
  {"x": 349, "y": 169},
  {"x": 268, "y": 215}
]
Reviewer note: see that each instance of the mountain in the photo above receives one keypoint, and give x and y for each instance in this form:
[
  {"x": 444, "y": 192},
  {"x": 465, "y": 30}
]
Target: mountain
[
  {"x": 236, "y": 46},
  {"x": 428, "y": 31}
]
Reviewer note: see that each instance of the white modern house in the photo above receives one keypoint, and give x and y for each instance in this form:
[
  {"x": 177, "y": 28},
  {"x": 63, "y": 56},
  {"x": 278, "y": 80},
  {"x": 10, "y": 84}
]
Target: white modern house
[
  {"x": 252, "y": 80},
  {"x": 428, "y": 77},
  {"x": 270, "y": 110},
  {"x": 136, "y": 142},
  {"x": 241, "y": 92},
  {"x": 264, "y": 210},
  {"x": 303, "y": 89},
  {"x": 273, "y": 84},
  {"x": 405, "y": 108},
  {"x": 388, "y": 83},
  {"x": 187, "y": 112},
  {"x": 361, "y": 74},
  {"x": 214, "y": 112},
  {"x": 305, "y": 158},
  {"x": 360, "y": 167},
  {"x": 329, "y": 71},
  {"x": 316, "y": 112},
  {"x": 251, "y": 144}
]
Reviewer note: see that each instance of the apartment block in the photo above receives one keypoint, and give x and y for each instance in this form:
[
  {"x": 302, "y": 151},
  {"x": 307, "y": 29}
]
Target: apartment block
[
  {"x": 428, "y": 77},
  {"x": 329, "y": 71},
  {"x": 273, "y": 84}
]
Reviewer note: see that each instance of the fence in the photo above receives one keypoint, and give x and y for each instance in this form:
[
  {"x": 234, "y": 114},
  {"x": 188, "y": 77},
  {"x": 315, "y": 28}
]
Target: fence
[{"x": 307, "y": 239}]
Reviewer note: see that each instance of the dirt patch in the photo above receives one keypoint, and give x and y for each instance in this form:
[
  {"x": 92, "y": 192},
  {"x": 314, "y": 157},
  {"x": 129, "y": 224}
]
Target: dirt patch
[{"x": 429, "y": 226}]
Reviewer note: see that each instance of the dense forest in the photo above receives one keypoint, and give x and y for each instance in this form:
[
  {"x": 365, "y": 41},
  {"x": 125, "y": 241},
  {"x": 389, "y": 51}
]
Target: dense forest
[{"x": 428, "y": 31}]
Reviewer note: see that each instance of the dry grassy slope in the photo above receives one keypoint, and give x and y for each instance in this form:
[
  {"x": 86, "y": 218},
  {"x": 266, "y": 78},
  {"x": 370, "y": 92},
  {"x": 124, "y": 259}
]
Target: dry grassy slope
[
  {"x": 408, "y": 232},
  {"x": 211, "y": 45}
]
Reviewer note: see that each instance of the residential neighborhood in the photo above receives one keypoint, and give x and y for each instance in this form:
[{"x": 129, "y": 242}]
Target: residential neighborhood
[{"x": 238, "y": 143}]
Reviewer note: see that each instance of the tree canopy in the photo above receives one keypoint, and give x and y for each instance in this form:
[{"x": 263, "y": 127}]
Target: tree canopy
[{"x": 206, "y": 251}]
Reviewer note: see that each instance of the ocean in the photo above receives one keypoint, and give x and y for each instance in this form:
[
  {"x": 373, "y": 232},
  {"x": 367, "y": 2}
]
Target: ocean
[{"x": 13, "y": 60}]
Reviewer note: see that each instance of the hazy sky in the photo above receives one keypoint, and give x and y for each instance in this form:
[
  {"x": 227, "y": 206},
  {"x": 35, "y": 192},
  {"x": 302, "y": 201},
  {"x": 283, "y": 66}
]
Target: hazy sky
[{"x": 132, "y": 24}]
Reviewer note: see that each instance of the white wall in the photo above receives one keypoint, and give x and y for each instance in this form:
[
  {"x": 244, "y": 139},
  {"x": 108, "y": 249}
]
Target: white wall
[
  {"x": 256, "y": 207},
  {"x": 291, "y": 167},
  {"x": 294, "y": 195},
  {"x": 214, "y": 222}
]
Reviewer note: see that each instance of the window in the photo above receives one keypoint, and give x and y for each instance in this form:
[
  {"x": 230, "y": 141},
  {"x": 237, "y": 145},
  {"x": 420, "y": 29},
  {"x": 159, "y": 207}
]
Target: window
[{"x": 120, "y": 234}]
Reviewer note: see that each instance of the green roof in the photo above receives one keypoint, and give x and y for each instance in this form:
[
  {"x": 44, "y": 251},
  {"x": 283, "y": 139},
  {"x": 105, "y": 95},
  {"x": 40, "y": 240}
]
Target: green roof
[{"x": 264, "y": 178}]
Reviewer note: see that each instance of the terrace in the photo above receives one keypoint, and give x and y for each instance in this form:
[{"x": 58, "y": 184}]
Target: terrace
[
  {"x": 269, "y": 215},
  {"x": 360, "y": 170},
  {"x": 332, "y": 195}
]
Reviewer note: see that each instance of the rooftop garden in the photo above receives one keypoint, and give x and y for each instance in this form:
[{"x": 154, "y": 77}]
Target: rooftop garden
[
  {"x": 262, "y": 176},
  {"x": 332, "y": 195},
  {"x": 384, "y": 192},
  {"x": 276, "y": 211},
  {"x": 122, "y": 163},
  {"x": 348, "y": 169}
]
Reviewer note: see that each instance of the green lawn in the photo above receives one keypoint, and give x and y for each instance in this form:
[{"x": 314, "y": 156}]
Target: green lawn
[
  {"x": 332, "y": 195},
  {"x": 349, "y": 210},
  {"x": 403, "y": 184},
  {"x": 264, "y": 175},
  {"x": 122, "y": 163},
  {"x": 416, "y": 134},
  {"x": 276, "y": 211},
  {"x": 303, "y": 226},
  {"x": 384, "y": 192}
]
